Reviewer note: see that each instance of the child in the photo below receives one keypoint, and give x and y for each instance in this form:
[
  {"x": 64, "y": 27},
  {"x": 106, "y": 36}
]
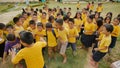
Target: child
[
  {"x": 69, "y": 9},
  {"x": 88, "y": 6},
  {"x": 18, "y": 26},
  {"x": 103, "y": 45},
  {"x": 69, "y": 14},
  {"x": 78, "y": 22},
  {"x": 115, "y": 33},
  {"x": 73, "y": 33},
  {"x": 99, "y": 8},
  {"x": 40, "y": 32},
  {"x": 52, "y": 20},
  {"x": 32, "y": 27},
  {"x": 2, "y": 39},
  {"x": 78, "y": 6},
  {"x": 107, "y": 20},
  {"x": 87, "y": 36},
  {"x": 10, "y": 29},
  {"x": 12, "y": 42},
  {"x": 32, "y": 53},
  {"x": 66, "y": 20},
  {"x": 91, "y": 7},
  {"x": 44, "y": 19},
  {"x": 51, "y": 35},
  {"x": 63, "y": 38},
  {"x": 35, "y": 18}
]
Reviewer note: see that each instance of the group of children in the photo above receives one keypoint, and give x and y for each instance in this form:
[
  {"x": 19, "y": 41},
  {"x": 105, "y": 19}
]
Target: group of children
[{"x": 59, "y": 30}]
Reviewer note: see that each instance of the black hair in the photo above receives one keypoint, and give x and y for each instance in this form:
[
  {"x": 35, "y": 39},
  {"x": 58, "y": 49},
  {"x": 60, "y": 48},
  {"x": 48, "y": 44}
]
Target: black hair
[
  {"x": 36, "y": 9},
  {"x": 65, "y": 18},
  {"x": 71, "y": 20},
  {"x": 99, "y": 22},
  {"x": 44, "y": 13},
  {"x": 32, "y": 22},
  {"x": 51, "y": 18},
  {"x": 111, "y": 14},
  {"x": 40, "y": 10},
  {"x": 9, "y": 26},
  {"x": 48, "y": 25},
  {"x": 59, "y": 21},
  {"x": 26, "y": 37},
  {"x": 69, "y": 8},
  {"x": 58, "y": 14},
  {"x": 15, "y": 19},
  {"x": 49, "y": 9},
  {"x": 78, "y": 13},
  {"x": 2, "y": 26},
  {"x": 39, "y": 24},
  {"x": 11, "y": 37},
  {"x": 108, "y": 27},
  {"x": 106, "y": 19},
  {"x": 34, "y": 14},
  {"x": 91, "y": 16}
]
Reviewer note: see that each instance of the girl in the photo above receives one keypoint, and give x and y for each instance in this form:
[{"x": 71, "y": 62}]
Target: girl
[{"x": 87, "y": 36}]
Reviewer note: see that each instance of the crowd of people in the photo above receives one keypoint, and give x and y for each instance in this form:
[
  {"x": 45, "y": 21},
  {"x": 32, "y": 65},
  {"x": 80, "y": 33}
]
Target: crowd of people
[{"x": 54, "y": 30}]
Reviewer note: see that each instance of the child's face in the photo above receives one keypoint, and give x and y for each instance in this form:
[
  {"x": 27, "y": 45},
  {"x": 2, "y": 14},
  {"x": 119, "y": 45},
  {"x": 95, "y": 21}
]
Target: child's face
[
  {"x": 32, "y": 26},
  {"x": 78, "y": 15},
  {"x": 107, "y": 20},
  {"x": 89, "y": 20},
  {"x": 96, "y": 15},
  {"x": 105, "y": 31},
  {"x": 43, "y": 15},
  {"x": 10, "y": 30},
  {"x": 71, "y": 24},
  {"x": 58, "y": 26},
  {"x": 39, "y": 28},
  {"x": 34, "y": 18},
  {"x": 115, "y": 22}
]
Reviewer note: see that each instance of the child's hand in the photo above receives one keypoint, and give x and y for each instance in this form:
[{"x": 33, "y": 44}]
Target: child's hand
[
  {"x": 18, "y": 45},
  {"x": 96, "y": 49},
  {"x": 12, "y": 52},
  {"x": 96, "y": 38}
]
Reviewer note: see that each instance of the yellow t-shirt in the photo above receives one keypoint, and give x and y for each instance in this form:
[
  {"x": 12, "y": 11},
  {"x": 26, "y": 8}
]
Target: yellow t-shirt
[
  {"x": 89, "y": 28},
  {"x": 78, "y": 5},
  {"x": 91, "y": 7},
  {"x": 105, "y": 42},
  {"x": 73, "y": 33},
  {"x": 39, "y": 34},
  {"x": 78, "y": 23},
  {"x": 63, "y": 34},
  {"x": 99, "y": 9},
  {"x": 84, "y": 18},
  {"x": 2, "y": 39},
  {"x": 33, "y": 31},
  {"x": 18, "y": 29},
  {"x": 66, "y": 25},
  {"x": 26, "y": 23},
  {"x": 116, "y": 31},
  {"x": 32, "y": 55},
  {"x": 52, "y": 41}
]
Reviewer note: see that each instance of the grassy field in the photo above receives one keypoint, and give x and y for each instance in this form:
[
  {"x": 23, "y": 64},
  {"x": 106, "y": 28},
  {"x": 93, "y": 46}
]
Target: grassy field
[{"x": 79, "y": 61}]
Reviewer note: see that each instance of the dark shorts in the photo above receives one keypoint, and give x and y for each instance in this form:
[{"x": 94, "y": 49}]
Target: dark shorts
[
  {"x": 87, "y": 40},
  {"x": 2, "y": 46},
  {"x": 113, "y": 42},
  {"x": 97, "y": 56}
]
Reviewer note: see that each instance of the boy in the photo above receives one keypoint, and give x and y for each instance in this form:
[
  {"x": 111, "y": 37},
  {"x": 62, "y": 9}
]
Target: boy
[
  {"x": 51, "y": 35},
  {"x": 73, "y": 34},
  {"x": 115, "y": 33},
  {"x": 12, "y": 42},
  {"x": 91, "y": 7},
  {"x": 40, "y": 32},
  {"x": 103, "y": 45},
  {"x": 99, "y": 9},
  {"x": 32, "y": 27},
  {"x": 32, "y": 53},
  {"x": 10, "y": 29},
  {"x": 18, "y": 26},
  {"x": 63, "y": 38}
]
